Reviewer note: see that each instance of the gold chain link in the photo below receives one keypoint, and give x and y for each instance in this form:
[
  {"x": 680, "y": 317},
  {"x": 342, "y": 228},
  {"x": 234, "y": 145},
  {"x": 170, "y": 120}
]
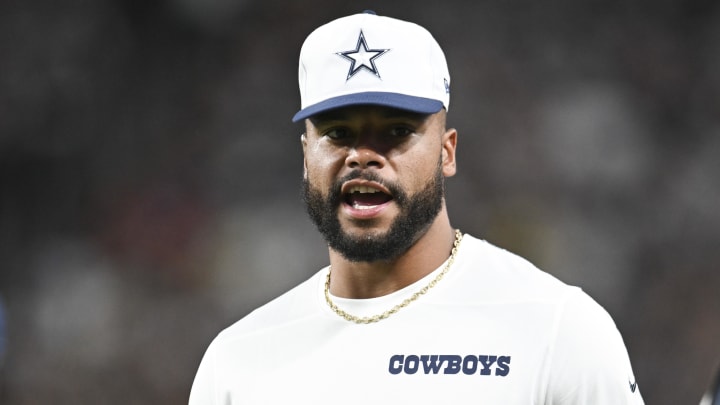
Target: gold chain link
[{"x": 406, "y": 302}]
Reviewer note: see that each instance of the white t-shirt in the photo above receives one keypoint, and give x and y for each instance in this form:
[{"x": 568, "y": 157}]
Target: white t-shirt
[{"x": 494, "y": 330}]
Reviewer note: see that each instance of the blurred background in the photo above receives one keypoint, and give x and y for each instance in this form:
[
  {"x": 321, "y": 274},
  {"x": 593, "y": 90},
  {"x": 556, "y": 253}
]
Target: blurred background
[{"x": 150, "y": 175}]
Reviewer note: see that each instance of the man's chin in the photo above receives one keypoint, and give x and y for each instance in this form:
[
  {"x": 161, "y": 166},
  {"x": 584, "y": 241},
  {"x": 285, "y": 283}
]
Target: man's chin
[
  {"x": 363, "y": 229},
  {"x": 364, "y": 236},
  {"x": 369, "y": 244}
]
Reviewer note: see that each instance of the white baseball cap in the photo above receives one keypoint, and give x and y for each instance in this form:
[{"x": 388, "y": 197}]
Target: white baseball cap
[{"x": 370, "y": 59}]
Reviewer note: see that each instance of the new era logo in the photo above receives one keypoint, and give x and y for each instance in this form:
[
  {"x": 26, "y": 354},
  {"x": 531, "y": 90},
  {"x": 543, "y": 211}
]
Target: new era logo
[{"x": 633, "y": 386}]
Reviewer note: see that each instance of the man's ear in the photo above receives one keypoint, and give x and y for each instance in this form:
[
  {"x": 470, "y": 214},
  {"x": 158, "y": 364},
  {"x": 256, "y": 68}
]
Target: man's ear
[
  {"x": 303, "y": 141},
  {"x": 449, "y": 144}
]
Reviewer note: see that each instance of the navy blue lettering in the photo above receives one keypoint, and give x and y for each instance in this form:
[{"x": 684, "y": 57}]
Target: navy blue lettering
[
  {"x": 487, "y": 362},
  {"x": 503, "y": 366},
  {"x": 469, "y": 365},
  {"x": 431, "y": 363},
  {"x": 449, "y": 364},
  {"x": 453, "y": 364},
  {"x": 396, "y": 363},
  {"x": 412, "y": 363}
]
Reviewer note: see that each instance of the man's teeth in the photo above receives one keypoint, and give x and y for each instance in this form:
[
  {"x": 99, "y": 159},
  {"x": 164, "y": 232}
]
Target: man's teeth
[
  {"x": 360, "y": 204},
  {"x": 363, "y": 190}
]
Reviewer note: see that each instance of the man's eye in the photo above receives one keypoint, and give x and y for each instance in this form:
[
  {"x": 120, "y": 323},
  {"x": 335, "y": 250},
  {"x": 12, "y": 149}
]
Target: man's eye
[
  {"x": 400, "y": 132},
  {"x": 337, "y": 133}
]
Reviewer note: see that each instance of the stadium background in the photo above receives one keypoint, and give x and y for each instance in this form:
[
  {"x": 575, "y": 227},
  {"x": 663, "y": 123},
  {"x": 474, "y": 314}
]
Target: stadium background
[{"x": 149, "y": 175}]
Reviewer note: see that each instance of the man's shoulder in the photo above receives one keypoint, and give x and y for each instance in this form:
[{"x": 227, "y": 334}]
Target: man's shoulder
[
  {"x": 295, "y": 305},
  {"x": 492, "y": 275},
  {"x": 507, "y": 275}
]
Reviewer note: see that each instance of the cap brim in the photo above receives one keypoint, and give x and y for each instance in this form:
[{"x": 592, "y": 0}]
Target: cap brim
[{"x": 401, "y": 101}]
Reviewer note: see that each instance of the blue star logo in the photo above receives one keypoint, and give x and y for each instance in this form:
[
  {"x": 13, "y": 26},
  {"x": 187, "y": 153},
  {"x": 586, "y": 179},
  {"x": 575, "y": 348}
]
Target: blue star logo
[{"x": 362, "y": 58}]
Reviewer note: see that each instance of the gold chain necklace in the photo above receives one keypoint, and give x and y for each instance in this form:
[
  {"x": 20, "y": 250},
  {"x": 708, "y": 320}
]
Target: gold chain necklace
[{"x": 406, "y": 302}]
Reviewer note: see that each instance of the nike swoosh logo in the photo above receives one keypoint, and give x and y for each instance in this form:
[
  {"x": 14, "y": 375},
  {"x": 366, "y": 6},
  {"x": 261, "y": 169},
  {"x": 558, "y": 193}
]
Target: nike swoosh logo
[{"x": 633, "y": 386}]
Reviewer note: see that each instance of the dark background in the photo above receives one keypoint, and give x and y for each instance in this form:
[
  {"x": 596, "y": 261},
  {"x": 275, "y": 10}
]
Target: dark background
[{"x": 149, "y": 175}]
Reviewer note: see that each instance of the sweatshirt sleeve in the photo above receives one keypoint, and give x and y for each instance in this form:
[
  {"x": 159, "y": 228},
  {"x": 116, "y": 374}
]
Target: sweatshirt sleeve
[
  {"x": 589, "y": 362},
  {"x": 202, "y": 391}
]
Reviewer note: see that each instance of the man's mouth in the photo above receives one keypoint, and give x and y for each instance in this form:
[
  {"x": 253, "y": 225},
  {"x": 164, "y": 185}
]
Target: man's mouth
[{"x": 365, "y": 197}]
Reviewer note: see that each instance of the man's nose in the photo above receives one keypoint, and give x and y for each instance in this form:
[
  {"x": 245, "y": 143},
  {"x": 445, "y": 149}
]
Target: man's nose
[{"x": 364, "y": 154}]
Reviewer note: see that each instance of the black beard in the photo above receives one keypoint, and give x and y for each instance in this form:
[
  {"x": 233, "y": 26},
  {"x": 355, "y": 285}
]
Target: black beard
[{"x": 417, "y": 212}]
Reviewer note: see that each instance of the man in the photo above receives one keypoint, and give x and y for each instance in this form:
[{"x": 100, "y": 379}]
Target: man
[{"x": 410, "y": 310}]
